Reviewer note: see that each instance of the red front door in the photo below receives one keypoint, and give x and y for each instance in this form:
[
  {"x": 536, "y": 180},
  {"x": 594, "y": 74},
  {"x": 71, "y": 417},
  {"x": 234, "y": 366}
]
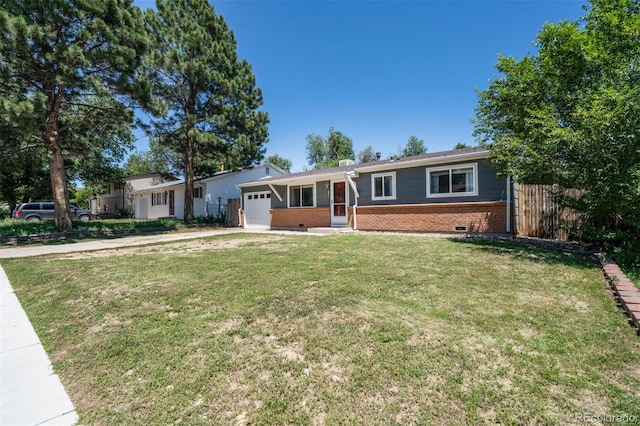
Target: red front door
[{"x": 339, "y": 203}]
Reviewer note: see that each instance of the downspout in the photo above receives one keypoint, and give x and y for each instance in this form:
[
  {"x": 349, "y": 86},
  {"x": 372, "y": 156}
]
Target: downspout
[
  {"x": 508, "y": 204},
  {"x": 357, "y": 194}
]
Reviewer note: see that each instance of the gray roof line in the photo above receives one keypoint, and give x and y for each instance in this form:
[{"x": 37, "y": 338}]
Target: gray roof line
[{"x": 348, "y": 168}]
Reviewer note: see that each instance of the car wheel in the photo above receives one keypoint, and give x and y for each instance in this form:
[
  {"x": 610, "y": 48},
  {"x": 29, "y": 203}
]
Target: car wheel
[
  {"x": 33, "y": 219},
  {"x": 84, "y": 218}
]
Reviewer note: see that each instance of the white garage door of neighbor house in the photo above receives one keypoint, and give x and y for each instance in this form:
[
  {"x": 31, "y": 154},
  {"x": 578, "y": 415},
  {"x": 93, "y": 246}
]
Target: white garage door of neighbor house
[{"x": 256, "y": 209}]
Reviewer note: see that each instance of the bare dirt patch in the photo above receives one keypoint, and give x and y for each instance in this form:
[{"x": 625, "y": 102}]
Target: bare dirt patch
[{"x": 188, "y": 246}]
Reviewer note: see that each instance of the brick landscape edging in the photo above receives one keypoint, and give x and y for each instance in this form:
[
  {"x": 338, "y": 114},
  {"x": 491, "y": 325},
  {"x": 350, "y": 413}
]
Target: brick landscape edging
[{"x": 624, "y": 289}]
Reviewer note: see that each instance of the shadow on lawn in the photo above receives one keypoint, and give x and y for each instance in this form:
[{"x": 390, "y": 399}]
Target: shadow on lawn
[{"x": 533, "y": 252}]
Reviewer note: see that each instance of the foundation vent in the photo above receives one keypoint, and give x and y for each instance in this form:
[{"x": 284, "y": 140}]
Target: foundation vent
[{"x": 461, "y": 229}]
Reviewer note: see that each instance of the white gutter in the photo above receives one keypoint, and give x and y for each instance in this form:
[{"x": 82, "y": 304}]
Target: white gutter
[
  {"x": 276, "y": 192},
  {"x": 357, "y": 194},
  {"x": 508, "y": 204}
]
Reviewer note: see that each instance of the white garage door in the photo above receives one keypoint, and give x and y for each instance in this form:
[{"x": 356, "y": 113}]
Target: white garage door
[{"x": 256, "y": 209}]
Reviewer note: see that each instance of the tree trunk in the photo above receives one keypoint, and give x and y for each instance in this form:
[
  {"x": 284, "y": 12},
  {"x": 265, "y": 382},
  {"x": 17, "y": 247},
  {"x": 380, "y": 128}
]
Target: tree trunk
[
  {"x": 59, "y": 188},
  {"x": 188, "y": 180},
  {"x": 62, "y": 217}
]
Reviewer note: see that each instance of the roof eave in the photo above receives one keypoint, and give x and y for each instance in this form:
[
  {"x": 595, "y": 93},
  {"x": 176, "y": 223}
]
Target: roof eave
[
  {"x": 293, "y": 180},
  {"x": 387, "y": 165},
  {"x": 454, "y": 158}
]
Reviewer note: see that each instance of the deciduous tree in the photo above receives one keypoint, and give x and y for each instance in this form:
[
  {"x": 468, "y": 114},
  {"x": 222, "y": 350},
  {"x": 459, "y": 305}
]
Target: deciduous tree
[
  {"x": 323, "y": 153},
  {"x": 461, "y": 145},
  {"x": 367, "y": 155},
  {"x": 145, "y": 162},
  {"x": 570, "y": 115},
  {"x": 24, "y": 175},
  {"x": 413, "y": 147},
  {"x": 277, "y": 160}
]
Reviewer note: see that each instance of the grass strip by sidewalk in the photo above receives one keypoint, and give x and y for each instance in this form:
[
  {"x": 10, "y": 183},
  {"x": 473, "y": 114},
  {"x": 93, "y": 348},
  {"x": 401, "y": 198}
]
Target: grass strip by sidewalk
[
  {"x": 14, "y": 227},
  {"x": 20, "y": 232},
  {"x": 348, "y": 329}
]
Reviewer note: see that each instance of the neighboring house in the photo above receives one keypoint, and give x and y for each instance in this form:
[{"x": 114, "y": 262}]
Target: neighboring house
[
  {"x": 210, "y": 195},
  {"x": 119, "y": 194},
  {"x": 452, "y": 191}
]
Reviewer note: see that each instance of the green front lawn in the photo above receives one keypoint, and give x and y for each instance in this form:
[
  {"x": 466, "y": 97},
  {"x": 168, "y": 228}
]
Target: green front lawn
[{"x": 346, "y": 329}]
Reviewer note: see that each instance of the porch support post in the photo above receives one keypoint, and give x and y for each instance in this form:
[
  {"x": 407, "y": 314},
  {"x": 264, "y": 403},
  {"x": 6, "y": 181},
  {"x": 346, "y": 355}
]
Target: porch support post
[
  {"x": 357, "y": 194},
  {"x": 275, "y": 192}
]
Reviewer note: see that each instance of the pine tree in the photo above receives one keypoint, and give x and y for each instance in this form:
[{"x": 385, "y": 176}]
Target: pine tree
[
  {"x": 64, "y": 67},
  {"x": 209, "y": 96}
]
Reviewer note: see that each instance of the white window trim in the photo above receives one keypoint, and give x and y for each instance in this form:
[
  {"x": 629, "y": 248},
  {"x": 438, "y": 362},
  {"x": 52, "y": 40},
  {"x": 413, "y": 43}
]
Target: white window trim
[
  {"x": 474, "y": 193},
  {"x": 393, "y": 186},
  {"x": 300, "y": 186}
]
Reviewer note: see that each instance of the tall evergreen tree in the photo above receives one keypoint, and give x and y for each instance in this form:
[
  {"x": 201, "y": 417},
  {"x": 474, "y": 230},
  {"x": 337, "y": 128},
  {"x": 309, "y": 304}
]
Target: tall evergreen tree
[
  {"x": 210, "y": 97},
  {"x": 64, "y": 67}
]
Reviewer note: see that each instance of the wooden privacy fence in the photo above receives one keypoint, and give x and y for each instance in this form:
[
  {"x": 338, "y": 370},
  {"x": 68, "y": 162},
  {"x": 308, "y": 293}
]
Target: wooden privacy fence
[
  {"x": 233, "y": 217},
  {"x": 540, "y": 215}
]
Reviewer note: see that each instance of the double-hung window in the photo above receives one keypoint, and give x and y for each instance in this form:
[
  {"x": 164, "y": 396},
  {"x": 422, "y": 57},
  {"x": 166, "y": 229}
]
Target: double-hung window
[
  {"x": 383, "y": 186},
  {"x": 452, "y": 181},
  {"x": 301, "y": 196},
  {"x": 197, "y": 192},
  {"x": 159, "y": 198}
]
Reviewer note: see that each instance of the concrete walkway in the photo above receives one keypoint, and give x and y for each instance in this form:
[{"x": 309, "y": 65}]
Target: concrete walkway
[{"x": 137, "y": 240}]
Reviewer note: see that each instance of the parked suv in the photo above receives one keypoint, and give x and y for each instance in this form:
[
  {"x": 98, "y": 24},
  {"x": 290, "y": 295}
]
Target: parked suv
[{"x": 38, "y": 210}]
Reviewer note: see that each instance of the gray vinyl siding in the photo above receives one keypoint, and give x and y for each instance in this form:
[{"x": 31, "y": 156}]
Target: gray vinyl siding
[
  {"x": 275, "y": 202},
  {"x": 322, "y": 198},
  {"x": 411, "y": 187},
  {"x": 322, "y": 194}
]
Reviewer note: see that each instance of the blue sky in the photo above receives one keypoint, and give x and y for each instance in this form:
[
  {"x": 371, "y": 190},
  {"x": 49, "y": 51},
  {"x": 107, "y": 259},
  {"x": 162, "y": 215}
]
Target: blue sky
[{"x": 379, "y": 71}]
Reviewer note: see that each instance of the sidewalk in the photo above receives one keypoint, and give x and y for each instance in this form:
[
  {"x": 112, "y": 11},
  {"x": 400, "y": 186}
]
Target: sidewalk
[{"x": 30, "y": 393}]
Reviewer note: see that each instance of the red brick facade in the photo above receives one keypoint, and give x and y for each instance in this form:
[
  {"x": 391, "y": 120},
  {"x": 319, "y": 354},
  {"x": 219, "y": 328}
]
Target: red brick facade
[
  {"x": 487, "y": 217},
  {"x": 307, "y": 217}
]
